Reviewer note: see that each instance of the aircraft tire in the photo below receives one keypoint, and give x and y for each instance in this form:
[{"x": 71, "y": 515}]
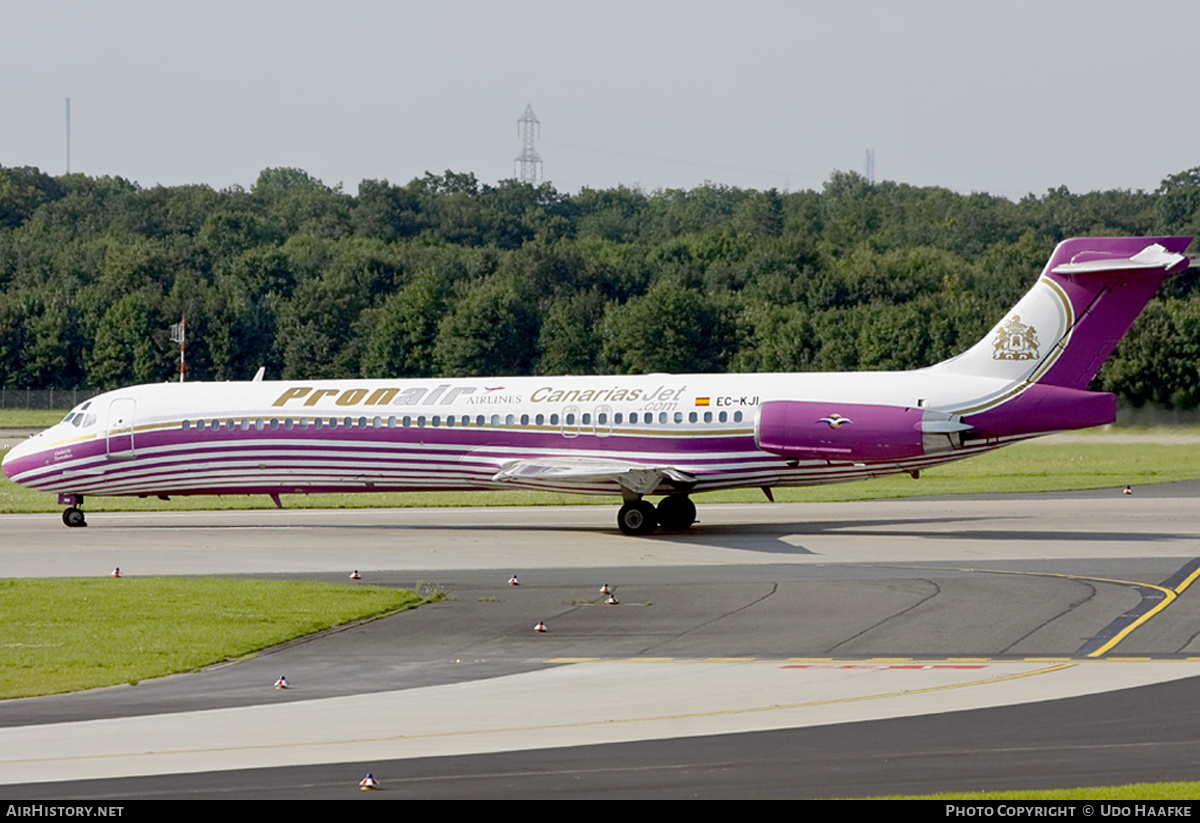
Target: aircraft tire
[
  {"x": 676, "y": 513},
  {"x": 73, "y": 518},
  {"x": 637, "y": 518}
]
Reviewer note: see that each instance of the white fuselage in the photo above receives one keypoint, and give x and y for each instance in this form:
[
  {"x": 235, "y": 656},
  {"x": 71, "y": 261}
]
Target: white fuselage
[{"x": 353, "y": 435}]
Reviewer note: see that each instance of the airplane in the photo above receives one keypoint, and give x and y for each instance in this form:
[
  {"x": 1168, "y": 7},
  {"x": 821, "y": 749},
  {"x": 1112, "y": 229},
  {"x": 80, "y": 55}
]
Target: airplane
[{"x": 637, "y": 436}]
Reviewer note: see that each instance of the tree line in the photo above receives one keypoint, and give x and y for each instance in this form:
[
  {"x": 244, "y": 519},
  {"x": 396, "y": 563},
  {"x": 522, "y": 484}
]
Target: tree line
[{"x": 444, "y": 276}]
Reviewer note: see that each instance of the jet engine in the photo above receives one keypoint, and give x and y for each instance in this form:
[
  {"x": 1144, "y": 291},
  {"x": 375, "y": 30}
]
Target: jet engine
[{"x": 854, "y": 432}]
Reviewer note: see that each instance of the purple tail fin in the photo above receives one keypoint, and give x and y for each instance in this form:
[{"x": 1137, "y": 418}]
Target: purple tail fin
[
  {"x": 1108, "y": 280},
  {"x": 1051, "y": 345}
]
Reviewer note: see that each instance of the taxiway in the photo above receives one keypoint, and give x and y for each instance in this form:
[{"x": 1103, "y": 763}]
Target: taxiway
[{"x": 802, "y": 650}]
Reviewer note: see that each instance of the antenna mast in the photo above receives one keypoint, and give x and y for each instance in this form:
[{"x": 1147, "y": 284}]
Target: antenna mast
[
  {"x": 179, "y": 335},
  {"x": 528, "y": 165}
]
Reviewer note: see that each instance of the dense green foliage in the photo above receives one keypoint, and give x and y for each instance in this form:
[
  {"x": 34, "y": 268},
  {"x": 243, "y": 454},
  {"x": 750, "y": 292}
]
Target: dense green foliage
[{"x": 446, "y": 276}]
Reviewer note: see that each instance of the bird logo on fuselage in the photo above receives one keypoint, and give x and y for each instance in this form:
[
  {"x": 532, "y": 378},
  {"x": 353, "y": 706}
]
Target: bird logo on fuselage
[{"x": 835, "y": 420}]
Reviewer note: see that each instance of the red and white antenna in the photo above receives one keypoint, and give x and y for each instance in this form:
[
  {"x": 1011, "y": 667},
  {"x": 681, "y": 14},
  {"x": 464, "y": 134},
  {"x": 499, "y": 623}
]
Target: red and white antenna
[{"x": 179, "y": 335}]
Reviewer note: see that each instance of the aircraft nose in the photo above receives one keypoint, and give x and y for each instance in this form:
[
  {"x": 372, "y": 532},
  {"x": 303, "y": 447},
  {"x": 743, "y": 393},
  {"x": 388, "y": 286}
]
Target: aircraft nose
[
  {"x": 6, "y": 462},
  {"x": 9, "y": 463}
]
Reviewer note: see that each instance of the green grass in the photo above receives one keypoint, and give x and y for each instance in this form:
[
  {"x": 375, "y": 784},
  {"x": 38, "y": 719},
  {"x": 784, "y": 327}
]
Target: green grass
[
  {"x": 1033, "y": 466},
  {"x": 63, "y": 635},
  {"x": 1130, "y": 792},
  {"x": 30, "y": 418}
]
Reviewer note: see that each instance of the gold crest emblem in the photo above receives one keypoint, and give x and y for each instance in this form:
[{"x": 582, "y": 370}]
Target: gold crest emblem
[{"x": 1015, "y": 341}]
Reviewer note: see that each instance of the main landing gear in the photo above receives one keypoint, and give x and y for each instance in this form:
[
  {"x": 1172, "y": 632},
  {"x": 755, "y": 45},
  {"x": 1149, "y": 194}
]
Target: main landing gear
[
  {"x": 676, "y": 512},
  {"x": 72, "y": 516}
]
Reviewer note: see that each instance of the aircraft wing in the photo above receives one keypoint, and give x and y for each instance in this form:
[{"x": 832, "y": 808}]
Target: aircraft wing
[{"x": 567, "y": 471}]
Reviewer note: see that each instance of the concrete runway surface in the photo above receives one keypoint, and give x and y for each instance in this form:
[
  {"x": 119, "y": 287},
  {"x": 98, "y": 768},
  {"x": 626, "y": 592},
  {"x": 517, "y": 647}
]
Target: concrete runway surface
[{"x": 842, "y": 649}]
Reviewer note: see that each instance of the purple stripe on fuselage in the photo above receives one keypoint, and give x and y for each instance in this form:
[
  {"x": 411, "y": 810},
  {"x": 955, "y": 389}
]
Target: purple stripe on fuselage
[{"x": 370, "y": 448}]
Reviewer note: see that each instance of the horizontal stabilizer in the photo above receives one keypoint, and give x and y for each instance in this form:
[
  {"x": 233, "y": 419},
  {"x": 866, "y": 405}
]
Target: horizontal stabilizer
[{"x": 1153, "y": 257}]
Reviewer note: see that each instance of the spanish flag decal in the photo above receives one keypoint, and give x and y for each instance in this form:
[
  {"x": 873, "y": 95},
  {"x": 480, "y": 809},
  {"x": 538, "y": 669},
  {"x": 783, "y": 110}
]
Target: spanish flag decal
[{"x": 701, "y": 401}]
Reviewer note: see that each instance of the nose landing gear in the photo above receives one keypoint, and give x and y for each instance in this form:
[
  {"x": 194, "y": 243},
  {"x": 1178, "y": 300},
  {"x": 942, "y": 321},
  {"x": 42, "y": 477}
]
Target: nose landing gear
[{"x": 72, "y": 516}]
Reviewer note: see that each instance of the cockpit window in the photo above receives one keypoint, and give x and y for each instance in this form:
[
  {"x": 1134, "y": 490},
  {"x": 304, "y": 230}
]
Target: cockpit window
[{"x": 78, "y": 419}]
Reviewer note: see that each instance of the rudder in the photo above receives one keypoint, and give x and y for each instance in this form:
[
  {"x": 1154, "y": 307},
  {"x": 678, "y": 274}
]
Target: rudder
[{"x": 1061, "y": 332}]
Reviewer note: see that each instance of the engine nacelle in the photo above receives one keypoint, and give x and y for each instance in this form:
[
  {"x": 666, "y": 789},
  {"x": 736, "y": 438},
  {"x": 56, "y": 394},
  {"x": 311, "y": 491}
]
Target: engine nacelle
[{"x": 854, "y": 432}]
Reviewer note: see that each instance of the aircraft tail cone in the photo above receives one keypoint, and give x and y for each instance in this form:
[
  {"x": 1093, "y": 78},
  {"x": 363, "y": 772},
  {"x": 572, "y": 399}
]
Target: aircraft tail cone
[
  {"x": 540, "y": 627},
  {"x": 281, "y": 683},
  {"x": 368, "y": 783}
]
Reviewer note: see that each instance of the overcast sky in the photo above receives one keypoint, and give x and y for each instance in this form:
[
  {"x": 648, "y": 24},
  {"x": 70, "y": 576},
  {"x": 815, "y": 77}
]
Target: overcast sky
[{"x": 1004, "y": 97}]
